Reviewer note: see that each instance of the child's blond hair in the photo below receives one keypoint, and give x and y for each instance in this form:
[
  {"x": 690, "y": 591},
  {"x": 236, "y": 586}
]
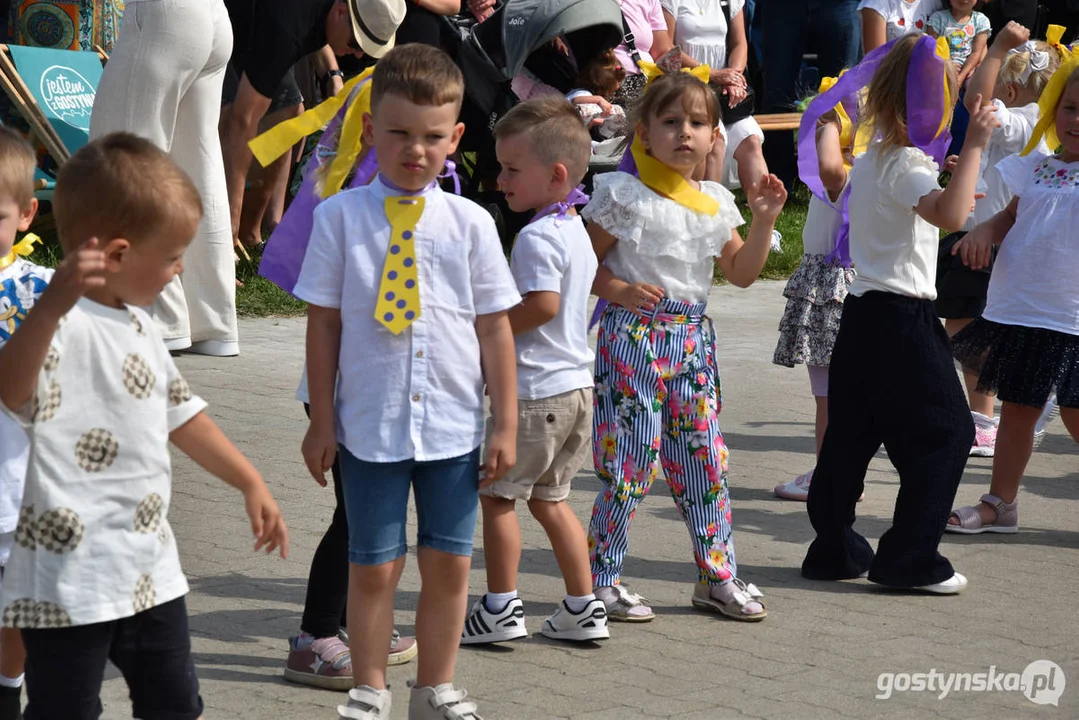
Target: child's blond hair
[
  {"x": 123, "y": 186},
  {"x": 886, "y": 101},
  {"x": 554, "y": 132},
  {"x": 17, "y": 164},
  {"x": 1017, "y": 63}
]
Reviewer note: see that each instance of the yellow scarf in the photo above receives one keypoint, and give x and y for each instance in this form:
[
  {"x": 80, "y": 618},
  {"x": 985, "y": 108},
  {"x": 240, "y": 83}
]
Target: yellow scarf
[
  {"x": 1047, "y": 103},
  {"x": 658, "y": 176},
  {"x": 855, "y": 138},
  {"x": 22, "y": 248},
  {"x": 277, "y": 141}
]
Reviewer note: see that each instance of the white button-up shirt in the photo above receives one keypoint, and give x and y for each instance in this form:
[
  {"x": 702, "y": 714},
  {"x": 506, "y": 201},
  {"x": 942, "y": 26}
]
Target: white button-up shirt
[{"x": 417, "y": 395}]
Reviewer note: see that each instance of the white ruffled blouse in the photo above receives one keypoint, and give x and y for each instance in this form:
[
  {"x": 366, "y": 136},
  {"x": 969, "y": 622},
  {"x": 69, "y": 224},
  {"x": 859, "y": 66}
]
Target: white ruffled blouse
[{"x": 661, "y": 242}]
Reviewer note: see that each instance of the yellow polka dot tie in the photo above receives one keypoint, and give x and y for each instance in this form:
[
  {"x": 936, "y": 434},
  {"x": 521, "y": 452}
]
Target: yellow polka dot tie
[{"x": 399, "y": 292}]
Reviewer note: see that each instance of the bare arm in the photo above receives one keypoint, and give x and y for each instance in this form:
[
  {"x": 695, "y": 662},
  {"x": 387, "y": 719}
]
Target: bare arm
[
  {"x": 239, "y": 125},
  {"x": 977, "y": 56},
  {"x": 833, "y": 172},
  {"x": 500, "y": 373},
  {"x": 740, "y": 262},
  {"x": 687, "y": 60},
  {"x": 324, "y": 62},
  {"x": 323, "y": 352},
  {"x": 536, "y": 309},
  {"x": 737, "y": 47},
  {"x": 661, "y": 43},
  {"x": 634, "y": 297},
  {"x": 976, "y": 247},
  {"x": 440, "y": 7},
  {"x": 984, "y": 79},
  {"x": 874, "y": 30}
]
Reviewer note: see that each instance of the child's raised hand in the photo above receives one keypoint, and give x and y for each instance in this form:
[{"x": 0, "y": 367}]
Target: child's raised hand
[
  {"x": 950, "y": 162},
  {"x": 266, "y": 522},
  {"x": 982, "y": 123},
  {"x": 319, "y": 449},
  {"x": 769, "y": 199},
  {"x": 1012, "y": 36},
  {"x": 501, "y": 456},
  {"x": 80, "y": 272},
  {"x": 975, "y": 249},
  {"x": 639, "y": 297}
]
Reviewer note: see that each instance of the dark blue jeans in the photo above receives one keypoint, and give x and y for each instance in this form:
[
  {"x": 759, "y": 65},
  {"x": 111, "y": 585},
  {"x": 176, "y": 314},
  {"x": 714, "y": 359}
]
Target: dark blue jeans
[{"x": 791, "y": 28}]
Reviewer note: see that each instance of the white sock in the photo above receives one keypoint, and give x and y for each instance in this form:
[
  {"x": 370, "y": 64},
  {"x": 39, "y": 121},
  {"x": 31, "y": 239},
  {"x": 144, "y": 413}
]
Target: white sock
[
  {"x": 577, "y": 603},
  {"x": 497, "y": 602},
  {"x": 7, "y": 682}
]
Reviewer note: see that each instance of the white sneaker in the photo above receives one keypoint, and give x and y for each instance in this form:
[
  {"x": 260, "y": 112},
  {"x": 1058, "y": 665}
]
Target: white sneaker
[
  {"x": 952, "y": 586},
  {"x": 796, "y": 489},
  {"x": 483, "y": 626},
  {"x": 366, "y": 703},
  {"x": 589, "y": 624},
  {"x": 1049, "y": 414},
  {"x": 777, "y": 241},
  {"x": 444, "y": 702}
]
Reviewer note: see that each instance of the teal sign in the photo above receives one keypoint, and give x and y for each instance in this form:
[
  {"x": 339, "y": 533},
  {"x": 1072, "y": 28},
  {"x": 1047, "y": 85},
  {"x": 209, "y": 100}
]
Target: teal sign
[{"x": 64, "y": 83}]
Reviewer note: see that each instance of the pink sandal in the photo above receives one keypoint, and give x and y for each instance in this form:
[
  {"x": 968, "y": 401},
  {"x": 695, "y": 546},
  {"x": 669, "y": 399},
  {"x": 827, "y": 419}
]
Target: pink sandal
[{"x": 971, "y": 522}]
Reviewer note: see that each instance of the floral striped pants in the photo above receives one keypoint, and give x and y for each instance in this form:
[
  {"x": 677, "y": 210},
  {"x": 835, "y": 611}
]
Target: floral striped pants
[{"x": 657, "y": 404}]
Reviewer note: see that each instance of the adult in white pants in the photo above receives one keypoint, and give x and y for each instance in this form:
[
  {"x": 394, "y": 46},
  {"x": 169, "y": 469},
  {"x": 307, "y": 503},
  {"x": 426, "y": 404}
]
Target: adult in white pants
[{"x": 163, "y": 82}]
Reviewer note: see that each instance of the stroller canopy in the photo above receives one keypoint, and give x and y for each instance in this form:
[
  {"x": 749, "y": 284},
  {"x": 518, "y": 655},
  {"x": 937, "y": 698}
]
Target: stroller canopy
[{"x": 528, "y": 24}]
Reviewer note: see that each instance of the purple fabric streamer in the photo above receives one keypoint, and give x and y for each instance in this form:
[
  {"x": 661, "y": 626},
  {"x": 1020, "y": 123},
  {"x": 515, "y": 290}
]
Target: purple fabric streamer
[{"x": 925, "y": 108}]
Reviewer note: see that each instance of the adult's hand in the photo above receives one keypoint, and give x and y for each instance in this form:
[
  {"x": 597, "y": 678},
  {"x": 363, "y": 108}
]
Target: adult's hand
[
  {"x": 481, "y": 9},
  {"x": 727, "y": 77}
]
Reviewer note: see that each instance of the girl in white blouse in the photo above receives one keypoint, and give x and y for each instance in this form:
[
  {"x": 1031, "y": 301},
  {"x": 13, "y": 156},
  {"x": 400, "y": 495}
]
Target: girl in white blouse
[
  {"x": 1026, "y": 344},
  {"x": 657, "y": 382},
  {"x": 891, "y": 379},
  {"x": 886, "y": 20}
]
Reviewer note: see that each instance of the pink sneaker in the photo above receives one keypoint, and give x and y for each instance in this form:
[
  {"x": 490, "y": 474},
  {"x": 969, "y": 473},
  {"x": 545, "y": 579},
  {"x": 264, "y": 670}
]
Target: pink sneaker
[
  {"x": 798, "y": 488},
  {"x": 985, "y": 436}
]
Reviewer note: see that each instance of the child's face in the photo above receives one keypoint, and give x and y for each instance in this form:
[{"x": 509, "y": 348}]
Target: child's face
[
  {"x": 527, "y": 183},
  {"x": 963, "y": 7},
  {"x": 1067, "y": 121},
  {"x": 13, "y": 220},
  {"x": 139, "y": 272},
  {"x": 412, "y": 141},
  {"x": 681, "y": 135}
]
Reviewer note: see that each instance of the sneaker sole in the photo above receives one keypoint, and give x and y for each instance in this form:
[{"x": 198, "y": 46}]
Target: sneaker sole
[
  {"x": 578, "y": 635},
  {"x": 982, "y": 452},
  {"x": 791, "y": 496},
  {"x": 324, "y": 682},
  {"x": 717, "y": 609},
  {"x": 400, "y": 658},
  {"x": 997, "y": 529},
  {"x": 631, "y": 618},
  {"x": 491, "y": 638}
]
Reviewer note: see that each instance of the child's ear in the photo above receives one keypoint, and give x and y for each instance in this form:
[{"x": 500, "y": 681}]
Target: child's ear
[
  {"x": 455, "y": 136},
  {"x": 115, "y": 251},
  {"x": 368, "y": 130},
  {"x": 642, "y": 133},
  {"x": 559, "y": 174},
  {"x": 715, "y": 134},
  {"x": 26, "y": 217}
]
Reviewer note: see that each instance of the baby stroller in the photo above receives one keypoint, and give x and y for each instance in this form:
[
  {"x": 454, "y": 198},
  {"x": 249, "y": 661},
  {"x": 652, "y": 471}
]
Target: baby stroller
[{"x": 519, "y": 35}]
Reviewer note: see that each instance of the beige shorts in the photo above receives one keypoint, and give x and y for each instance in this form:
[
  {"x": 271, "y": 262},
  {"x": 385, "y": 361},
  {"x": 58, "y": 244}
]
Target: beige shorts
[{"x": 554, "y": 441}]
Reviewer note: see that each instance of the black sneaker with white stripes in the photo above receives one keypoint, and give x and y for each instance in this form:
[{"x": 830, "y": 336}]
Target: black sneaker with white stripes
[
  {"x": 483, "y": 626},
  {"x": 589, "y": 624}
]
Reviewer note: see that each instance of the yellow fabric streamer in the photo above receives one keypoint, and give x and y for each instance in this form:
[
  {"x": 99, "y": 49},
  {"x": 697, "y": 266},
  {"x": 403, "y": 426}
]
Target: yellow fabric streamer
[
  {"x": 669, "y": 183},
  {"x": 23, "y": 248},
  {"x": 945, "y": 54},
  {"x": 278, "y": 140},
  {"x": 349, "y": 145},
  {"x": 1053, "y": 36},
  {"x": 1047, "y": 106},
  {"x": 651, "y": 71}
]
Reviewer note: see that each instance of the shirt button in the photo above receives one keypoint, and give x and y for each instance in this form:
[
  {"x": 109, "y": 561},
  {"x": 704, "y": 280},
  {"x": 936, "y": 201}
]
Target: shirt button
[
  {"x": 416, "y": 397},
  {"x": 419, "y": 353}
]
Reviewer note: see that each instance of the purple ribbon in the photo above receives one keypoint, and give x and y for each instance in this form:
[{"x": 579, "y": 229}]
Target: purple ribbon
[
  {"x": 925, "y": 108},
  {"x": 576, "y": 197},
  {"x": 451, "y": 172}
]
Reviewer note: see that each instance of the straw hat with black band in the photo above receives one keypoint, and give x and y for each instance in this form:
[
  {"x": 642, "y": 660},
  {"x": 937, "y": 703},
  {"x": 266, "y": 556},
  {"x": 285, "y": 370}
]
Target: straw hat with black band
[{"x": 374, "y": 24}]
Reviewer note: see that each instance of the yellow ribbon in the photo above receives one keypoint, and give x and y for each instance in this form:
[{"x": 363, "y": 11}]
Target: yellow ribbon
[
  {"x": 23, "y": 248},
  {"x": 350, "y": 144},
  {"x": 669, "y": 183},
  {"x": 945, "y": 53},
  {"x": 1053, "y": 36},
  {"x": 856, "y": 138},
  {"x": 651, "y": 71},
  {"x": 1047, "y": 106}
]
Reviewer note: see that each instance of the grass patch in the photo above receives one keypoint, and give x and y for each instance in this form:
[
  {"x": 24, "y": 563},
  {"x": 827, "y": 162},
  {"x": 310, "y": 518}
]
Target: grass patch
[
  {"x": 258, "y": 297},
  {"x": 780, "y": 265}
]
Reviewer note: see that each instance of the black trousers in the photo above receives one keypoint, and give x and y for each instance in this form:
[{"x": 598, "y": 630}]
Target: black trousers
[
  {"x": 891, "y": 382},
  {"x": 327, "y": 584}
]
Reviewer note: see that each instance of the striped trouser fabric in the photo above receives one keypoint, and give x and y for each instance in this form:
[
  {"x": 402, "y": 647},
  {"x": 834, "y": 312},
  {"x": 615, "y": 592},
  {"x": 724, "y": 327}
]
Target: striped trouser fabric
[{"x": 657, "y": 404}]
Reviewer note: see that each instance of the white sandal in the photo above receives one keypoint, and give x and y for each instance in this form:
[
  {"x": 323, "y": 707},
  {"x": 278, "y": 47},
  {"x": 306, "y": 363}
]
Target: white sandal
[{"x": 735, "y": 609}]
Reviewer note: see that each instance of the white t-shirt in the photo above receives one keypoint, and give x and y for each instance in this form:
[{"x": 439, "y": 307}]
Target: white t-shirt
[
  {"x": 553, "y": 255},
  {"x": 21, "y": 284},
  {"x": 701, "y": 30},
  {"x": 93, "y": 542},
  {"x": 1035, "y": 281},
  {"x": 417, "y": 395},
  {"x": 902, "y": 17},
  {"x": 892, "y": 247},
  {"x": 1016, "y": 128},
  {"x": 823, "y": 221},
  {"x": 659, "y": 241}
]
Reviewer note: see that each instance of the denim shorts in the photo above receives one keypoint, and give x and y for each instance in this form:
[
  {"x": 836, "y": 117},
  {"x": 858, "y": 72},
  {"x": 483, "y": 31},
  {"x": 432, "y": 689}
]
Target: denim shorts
[{"x": 376, "y": 502}]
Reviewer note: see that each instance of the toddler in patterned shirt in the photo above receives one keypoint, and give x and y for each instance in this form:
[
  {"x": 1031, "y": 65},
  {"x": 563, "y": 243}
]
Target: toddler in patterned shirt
[{"x": 95, "y": 572}]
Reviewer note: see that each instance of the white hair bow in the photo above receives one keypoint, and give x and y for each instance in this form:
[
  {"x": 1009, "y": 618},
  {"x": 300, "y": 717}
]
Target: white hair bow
[{"x": 1039, "y": 60}]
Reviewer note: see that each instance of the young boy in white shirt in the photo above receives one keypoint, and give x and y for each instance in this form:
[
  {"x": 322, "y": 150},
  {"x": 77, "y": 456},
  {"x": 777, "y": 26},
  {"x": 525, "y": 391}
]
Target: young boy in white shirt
[
  {"x": 21, "y": 284},
  {"x": 95, "y": 573},
  {"x": 544, "y": 148},
  {"x": 408, "y": 291}
]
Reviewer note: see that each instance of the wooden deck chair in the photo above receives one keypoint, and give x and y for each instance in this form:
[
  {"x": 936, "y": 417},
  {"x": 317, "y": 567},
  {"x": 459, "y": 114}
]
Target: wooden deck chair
[{"x": 54, "y": 90}]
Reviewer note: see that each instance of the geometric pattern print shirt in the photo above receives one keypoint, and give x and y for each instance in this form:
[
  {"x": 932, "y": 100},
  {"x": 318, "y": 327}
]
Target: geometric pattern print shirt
[
  {"x": 93, "y": 542},
  {"x": 21, "y": 284}
]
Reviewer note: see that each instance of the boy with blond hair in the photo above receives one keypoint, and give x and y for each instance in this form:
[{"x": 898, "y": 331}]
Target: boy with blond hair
[
  {"x": 95, "y": 573},
  {"x": 544, "y": 149},
  {"x": 408, "y": 292},
  {"x": 21, "y": 284}
]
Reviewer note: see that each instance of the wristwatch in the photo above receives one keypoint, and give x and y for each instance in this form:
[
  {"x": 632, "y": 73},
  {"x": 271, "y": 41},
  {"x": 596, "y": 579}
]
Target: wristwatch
[{"x": 325, "y": 79}]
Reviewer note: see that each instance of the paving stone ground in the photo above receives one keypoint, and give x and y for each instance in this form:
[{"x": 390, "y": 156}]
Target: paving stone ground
[{"x": 817, "y": 655}]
